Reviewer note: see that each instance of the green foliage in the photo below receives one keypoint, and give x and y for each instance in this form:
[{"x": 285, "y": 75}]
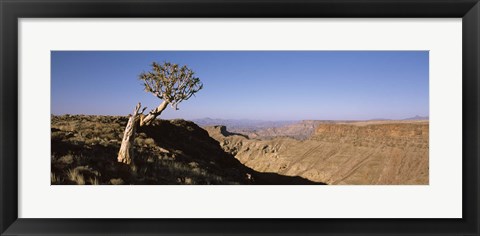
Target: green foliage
[{"x": 171, "y": 82}]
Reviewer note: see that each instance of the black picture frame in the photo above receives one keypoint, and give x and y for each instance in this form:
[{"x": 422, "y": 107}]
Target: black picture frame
[{"x": 12, "y": 10}]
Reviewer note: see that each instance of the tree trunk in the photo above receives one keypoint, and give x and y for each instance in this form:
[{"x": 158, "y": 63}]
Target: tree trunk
[
  {"x": 148, "y": 119},
  {"x": 125, "y": 154}
]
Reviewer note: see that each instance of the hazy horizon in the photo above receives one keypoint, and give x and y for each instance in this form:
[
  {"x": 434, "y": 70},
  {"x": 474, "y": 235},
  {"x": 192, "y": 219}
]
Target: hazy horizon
[
  {"x": 250, "y": 85},
  {"x": 256, "y": 120}
]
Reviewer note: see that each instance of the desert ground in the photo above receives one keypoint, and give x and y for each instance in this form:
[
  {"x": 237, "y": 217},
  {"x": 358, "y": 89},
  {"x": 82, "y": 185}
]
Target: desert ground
[
  {"x": 381, "y": 152},
  {"x": 84, "y": 150},
  {"x": 365, "y": 152}
]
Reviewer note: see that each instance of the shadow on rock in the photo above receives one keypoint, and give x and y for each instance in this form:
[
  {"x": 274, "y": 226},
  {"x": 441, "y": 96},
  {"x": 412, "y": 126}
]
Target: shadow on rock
[
  {"x": 85, "y": 148},
  {"x": 197, "y": 145}
]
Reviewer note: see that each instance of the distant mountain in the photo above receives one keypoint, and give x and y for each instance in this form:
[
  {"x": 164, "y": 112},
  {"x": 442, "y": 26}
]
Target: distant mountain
[
  {"x": 298, "y": 130},
  {"x": 242, "y": 124},
  {"x": 261, "y": 129},
  {"x": 417, "y": 117}
]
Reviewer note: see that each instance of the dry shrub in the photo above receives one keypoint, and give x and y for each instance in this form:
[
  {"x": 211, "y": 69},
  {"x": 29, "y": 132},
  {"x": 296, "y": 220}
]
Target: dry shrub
[
  {"x": 75, "y": 176},
  {"x": 149, "y": 142},
  {"x": 80, "y": 173}
]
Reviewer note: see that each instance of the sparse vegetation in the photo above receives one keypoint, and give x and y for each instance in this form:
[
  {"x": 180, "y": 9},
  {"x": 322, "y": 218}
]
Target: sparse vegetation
[
  {"x": 84, "y": 148},
  {"x": 167, "y": 152}
]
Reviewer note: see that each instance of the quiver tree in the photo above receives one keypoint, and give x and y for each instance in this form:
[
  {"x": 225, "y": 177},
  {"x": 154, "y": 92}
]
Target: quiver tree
[{"x": 168, "y": 82}]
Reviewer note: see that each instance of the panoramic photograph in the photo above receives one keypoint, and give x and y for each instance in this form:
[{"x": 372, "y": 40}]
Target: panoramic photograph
[{"x": 239, "y": 118}]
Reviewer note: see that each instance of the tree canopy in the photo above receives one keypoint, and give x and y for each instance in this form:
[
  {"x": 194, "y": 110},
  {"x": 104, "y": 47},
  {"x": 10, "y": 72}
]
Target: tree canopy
[{"x": 171, "y": 82}]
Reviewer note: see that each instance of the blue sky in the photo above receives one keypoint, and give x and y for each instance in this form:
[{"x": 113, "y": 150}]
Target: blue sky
[{"x": 258, "y": 85}]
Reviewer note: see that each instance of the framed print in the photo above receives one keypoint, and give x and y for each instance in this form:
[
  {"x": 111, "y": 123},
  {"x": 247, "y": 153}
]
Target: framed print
[{"x": 227, "y": 117}]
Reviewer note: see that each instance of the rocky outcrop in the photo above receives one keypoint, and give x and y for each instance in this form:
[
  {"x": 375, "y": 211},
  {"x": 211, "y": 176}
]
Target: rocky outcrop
[
  {"x": 299, "y": 130},
  {"x": 84, "y": 151},
  {"x": 389, "y": 152}
]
